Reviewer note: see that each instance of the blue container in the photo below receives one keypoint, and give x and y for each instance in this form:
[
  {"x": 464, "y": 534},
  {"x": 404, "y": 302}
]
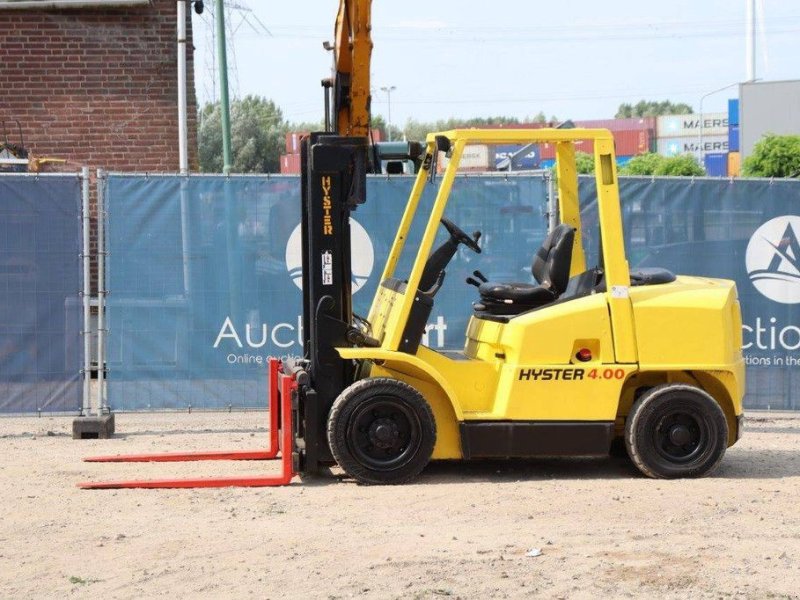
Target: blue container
[
  {"x": 528, "y": 160},
  {"x": 733, "y": 138},
  {"x": 733, "y": 112},
  {"x": 621, "y": 161},
  {"x": 716, "y": 165}
]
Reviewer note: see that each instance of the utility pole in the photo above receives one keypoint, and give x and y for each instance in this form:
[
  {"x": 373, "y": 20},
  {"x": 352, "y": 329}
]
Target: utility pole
[
  {"x": 389, "y": 90},
  {"x": 224, "y": 102},
  {"x": 183, "y": 131},
  {"x": 702, "y": 122},
  {"x": 750, "y": 40}
]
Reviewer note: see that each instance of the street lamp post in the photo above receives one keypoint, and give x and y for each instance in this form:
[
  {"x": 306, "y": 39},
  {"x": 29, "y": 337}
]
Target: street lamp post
[
  {"x": 388, "y": 90},
  {"x": 702, "y": 98}
]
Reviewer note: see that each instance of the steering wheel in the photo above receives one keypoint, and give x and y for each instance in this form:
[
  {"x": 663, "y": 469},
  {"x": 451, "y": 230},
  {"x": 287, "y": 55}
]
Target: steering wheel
[{"x": 461, "y": 236}]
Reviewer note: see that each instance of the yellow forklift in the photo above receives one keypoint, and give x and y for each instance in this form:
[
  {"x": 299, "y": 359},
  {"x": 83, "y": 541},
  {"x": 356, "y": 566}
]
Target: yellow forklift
[
  {"x": 563, "y": 366},
  {"x": 574, "y": 362}
]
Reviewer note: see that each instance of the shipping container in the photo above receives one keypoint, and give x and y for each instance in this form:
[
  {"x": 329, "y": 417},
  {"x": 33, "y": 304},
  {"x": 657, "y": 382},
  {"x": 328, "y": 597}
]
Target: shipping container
[
  {"x": 733, "y": 138},
  {"x": 293, "y": 139},
  {"x": 474, "y": 158},
  {"x": 716, "y": 164},
  {"x": 691, "y": 145},
  {"x": 671, "y": 126},
  {"x": 517, "y": 126},
  {"x": 626, "y": 143},
  {"x": 623, "y": 160},
  {"x": 290, "y": 164},
  {"x": 734, "y": 164},
  {"x": 635, "y": 124},
  {"x": 733, "y": 111},
  {"x": 527, "y": 160},
  {"x": 549, "y": 163}
]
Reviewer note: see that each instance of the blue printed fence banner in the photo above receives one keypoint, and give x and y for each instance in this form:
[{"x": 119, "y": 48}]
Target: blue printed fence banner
[
  {"x": 204, "y": 275},
  {"x": 41, "y": 350},
  {"x": 204, "y": 272}
]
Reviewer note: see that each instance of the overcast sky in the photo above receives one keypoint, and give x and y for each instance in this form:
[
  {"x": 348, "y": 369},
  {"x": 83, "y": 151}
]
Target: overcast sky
[{"x": 574, "y": 58}]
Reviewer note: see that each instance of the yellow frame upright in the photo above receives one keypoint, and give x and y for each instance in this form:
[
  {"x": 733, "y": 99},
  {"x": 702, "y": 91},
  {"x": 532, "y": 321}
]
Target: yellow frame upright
[{"x": 615, "y": 264}]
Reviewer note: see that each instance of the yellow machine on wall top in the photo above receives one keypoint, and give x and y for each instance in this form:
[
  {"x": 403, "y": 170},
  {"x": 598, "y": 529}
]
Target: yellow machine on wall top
[{"x": 561, "y": 367}]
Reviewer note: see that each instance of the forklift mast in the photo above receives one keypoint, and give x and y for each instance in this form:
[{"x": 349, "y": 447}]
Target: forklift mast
[
  {"x": 334, "y": 165},
  {"x": 333, "y": 184}
]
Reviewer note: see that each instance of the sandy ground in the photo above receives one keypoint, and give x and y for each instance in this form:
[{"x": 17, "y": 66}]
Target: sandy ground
[{"x": 462, "y": 530}]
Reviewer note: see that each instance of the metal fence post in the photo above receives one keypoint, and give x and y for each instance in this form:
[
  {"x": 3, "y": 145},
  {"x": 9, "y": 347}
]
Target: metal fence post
[
  {"x": 552, "y": 203},
  {"x": 87, "y": 291},
  {"x": 101, "y": 290},
  {"x": 185, "y": 236}
]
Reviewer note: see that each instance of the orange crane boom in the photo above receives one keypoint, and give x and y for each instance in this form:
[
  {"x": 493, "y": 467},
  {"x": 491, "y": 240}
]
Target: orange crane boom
[{"x": 352, "y": 52}]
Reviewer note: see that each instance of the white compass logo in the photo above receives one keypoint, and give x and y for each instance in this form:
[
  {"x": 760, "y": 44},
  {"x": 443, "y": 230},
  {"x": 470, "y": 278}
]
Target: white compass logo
[
  {"x": 362, "y": 252},
  {"x": 773, "y": 259}
]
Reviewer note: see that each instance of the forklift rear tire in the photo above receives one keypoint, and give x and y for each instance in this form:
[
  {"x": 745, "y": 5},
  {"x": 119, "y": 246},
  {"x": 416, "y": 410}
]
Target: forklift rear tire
[
  {"x": 381, "y": 431},
  {"x": 676, "y": 430}
]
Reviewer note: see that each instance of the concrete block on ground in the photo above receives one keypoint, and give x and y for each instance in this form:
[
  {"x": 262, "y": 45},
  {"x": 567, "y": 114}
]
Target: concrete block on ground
[{"x": 93, "y": 428}]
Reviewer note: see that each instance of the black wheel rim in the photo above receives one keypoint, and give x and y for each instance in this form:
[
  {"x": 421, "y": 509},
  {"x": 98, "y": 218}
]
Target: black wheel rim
[
  {"x": 681, "y": 435},
  {"x": 384, "y": 433}
]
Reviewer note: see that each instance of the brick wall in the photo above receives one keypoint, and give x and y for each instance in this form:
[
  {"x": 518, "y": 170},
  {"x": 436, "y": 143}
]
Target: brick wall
[{"x": 97, "y": 86}]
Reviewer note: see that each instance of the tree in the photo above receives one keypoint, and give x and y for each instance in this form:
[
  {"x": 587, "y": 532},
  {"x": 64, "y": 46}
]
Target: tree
[
  {"x": 379, "y": 124},
  {"x": 683, "y": 165},
  {"x": 652, "y": 108},
  {"x": 643, "y": 164},
  {"x": 306, "y": 126},
  {"x": 257, "y": 136},
  {"x": 774, "y": 156},
  {"x": 540, "y": 118},
  {"x": 584, "y": 163},
  {"x": 418, "y": 130}
]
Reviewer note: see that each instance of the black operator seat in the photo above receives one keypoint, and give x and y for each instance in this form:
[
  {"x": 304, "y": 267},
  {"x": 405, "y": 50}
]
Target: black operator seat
[{"x": 551, "y": 266}]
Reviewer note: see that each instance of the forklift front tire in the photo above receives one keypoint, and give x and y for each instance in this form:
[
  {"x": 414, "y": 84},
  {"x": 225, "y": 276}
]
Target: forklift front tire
[
  {"x": 381, "y": 431},
  {"x": 676, "y": 430}
]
